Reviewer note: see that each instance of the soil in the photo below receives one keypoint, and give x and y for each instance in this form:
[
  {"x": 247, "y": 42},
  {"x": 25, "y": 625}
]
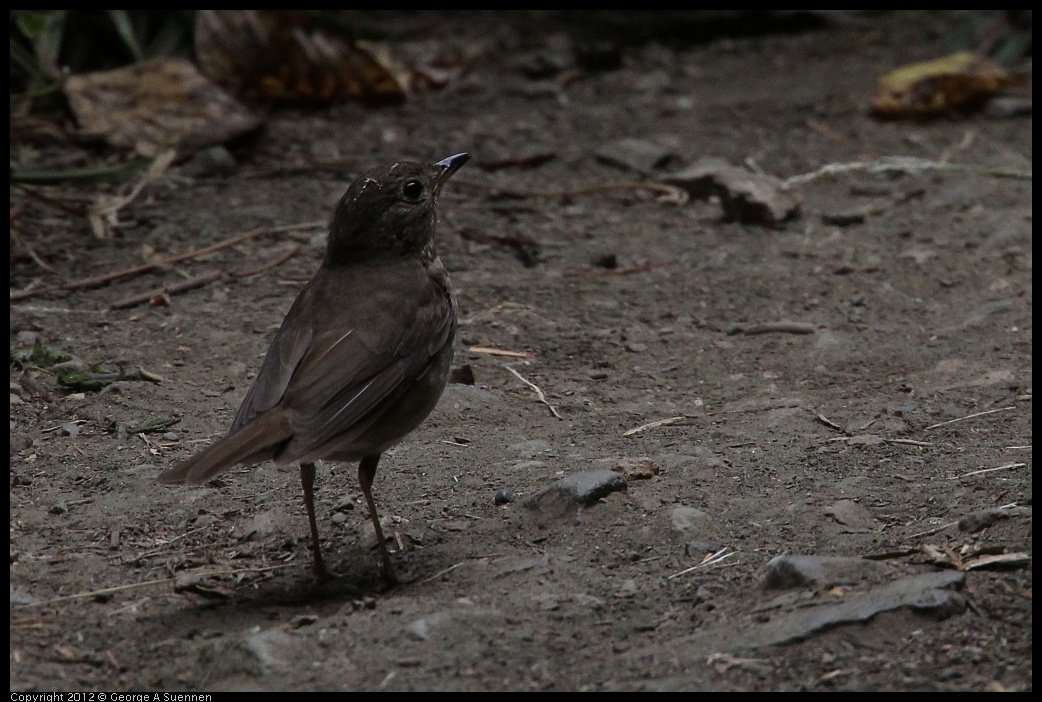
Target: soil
[{"x": 890, "y": 399}]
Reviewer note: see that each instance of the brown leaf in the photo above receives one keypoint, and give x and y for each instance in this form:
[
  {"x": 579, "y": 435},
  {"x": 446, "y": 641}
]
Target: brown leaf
[
  {"x": 156, "y": 105},
  {"x": 276, "y": 56},
  {"x": 756, "y": 198}
]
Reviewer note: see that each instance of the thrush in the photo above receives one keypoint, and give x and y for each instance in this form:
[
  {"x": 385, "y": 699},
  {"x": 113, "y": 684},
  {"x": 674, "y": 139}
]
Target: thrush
[{"x": 364, "y": 353}]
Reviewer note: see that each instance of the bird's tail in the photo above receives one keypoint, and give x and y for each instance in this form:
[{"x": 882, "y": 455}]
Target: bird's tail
[{"x": 254, "y": 442}]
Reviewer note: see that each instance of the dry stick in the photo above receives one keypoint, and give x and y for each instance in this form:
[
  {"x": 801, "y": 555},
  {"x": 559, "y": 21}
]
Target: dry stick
[
  {"x": 657, "y": 423},
  {"x": 712, "y": 559},
  {"x": 172, "y": 289},
  {"x": 632, "y": 270},
  {"x": 672, "y": 191},
  {"x": 492, "y": 351},
  {"x": 901, "y": 164},
  {"x": 542, "y": 397},
  {"x": 108, "y": 207},
  {"x": 928, "y": 532},
  {"x": 783, "y": 327},
  {"x": 147, "y": 583},
  {"x": 969, "y": 416},
  {"x": 990, "y": 470},
  {"x": 277, "y": 261},
  {"x": 441, "y": 573},
  {"x": 104, "y": 279},
  {"x": 159, "y": 549}
]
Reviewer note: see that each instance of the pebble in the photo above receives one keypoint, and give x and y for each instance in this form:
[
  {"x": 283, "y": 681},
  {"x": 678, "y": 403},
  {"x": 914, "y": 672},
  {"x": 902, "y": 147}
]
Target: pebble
[
  {"x": 784, "y": 572},
  {"x": 639, "y": 155},
  {"x": 982, "y": 519},
  {"x": 576, "y": 491},
  {"x": 303, "y": 620},
  {"x": 504, "y": 496}
]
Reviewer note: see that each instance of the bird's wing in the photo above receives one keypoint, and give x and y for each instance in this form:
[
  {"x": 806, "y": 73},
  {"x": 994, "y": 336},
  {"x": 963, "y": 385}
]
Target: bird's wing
[{"x": 359, "y": 353}]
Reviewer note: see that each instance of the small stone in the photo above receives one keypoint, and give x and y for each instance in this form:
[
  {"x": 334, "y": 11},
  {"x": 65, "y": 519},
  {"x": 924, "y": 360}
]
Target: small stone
[
  {"x": 982, "y": 519},
  {"x": 687, "y": 519},
  {"x": 639, "y": 155},
  {"x": 422, "y": 628},
  {"x": 59, "y": 508},
  {"x": 213, "y": 161},
  {"x": 26, "y": 338},
  {"x": 575, "y": 491},
  {"x": 784, "y": 572},
  {"x": 302, "y": 620},
  {"x": 851, "y": 515},
  {"x": 504, "y": 497},
  {"x": 73, "y": 366},
  {"x": 170, "y": 436}
]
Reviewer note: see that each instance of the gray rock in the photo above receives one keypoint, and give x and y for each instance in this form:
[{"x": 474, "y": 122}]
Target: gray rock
[
  {"x": 784, "y": 572},
  {"x": 262, "y": 525},
  {"x": 852, "y": 515},
  {"x": 422, "y": 628},
  {"x": 639, "y": 155},
  {"x": 530, "y": 447},
  {"x": 687, "y": 519},
  {"x": 269, "y": 647},
  {"x": 923, "y": 593},
  {"x": 576, "y": 491},
  {"x": 982, "y": 519}
]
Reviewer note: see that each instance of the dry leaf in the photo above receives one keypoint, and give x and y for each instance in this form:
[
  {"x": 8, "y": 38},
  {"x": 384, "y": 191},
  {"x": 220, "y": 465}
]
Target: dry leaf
[
  {"x": 156, "y": 105},
  {"x": 276, "y": 56},
  {"x": 933, "y": 87},
  {"x": 755, "y": 198}
]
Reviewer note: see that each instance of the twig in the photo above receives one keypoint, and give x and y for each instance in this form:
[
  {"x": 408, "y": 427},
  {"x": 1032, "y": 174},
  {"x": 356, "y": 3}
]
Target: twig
[
  {"x": 969, "y": 416},
  {"x": 928, "y": 532},
  {"x": 672, "y": 193},
  {"x": 171, "y": 289},
  {"x": 32, "y": 252},
  {"x": 712, "y": 559},
  {"x": 106, "y": 278},
  {"x": 632, "y": 270},
  {"x": 772, "y": 328},
  {"x": 441, "y": 573},
  {"x": 900, "y": 164},
  {"x": 277, "y": 261},
  {"x": 829, "y": 423},
  {"x": 491, "y": 351},
  {"x": 148, "y": 554},
  {"x": 990, "y": 470},
  {"x": 147, "y": 583},
  {"x": 542, "y": 397},
  {"x": 106, "y": 209},
  {"x": 650, "y": 425}
]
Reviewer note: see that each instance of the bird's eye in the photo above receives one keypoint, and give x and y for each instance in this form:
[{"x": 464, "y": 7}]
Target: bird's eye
[{"x": 412, "y": 190}]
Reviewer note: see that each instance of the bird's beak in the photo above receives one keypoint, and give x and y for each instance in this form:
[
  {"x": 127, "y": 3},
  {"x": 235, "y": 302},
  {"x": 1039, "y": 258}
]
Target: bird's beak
[{"x": 447, "y": 167}]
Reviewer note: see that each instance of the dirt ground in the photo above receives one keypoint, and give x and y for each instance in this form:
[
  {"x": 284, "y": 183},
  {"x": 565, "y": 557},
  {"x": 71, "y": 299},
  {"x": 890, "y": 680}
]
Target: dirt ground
[{"x": 885, "y": 410}]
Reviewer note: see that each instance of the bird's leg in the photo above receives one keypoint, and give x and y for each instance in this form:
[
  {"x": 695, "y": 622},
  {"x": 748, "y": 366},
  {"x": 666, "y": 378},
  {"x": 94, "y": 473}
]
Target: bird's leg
[
  {"x": 307, "y": 479},
  {"x": 366, "y": 473}
]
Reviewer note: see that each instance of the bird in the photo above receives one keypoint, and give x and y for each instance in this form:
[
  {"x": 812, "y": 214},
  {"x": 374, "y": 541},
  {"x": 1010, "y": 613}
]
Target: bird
[{"x": 364, "y": 352}]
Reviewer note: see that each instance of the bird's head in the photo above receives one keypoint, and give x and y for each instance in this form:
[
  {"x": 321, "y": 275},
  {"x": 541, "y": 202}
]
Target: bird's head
[{"x": 391, "y": 210}]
